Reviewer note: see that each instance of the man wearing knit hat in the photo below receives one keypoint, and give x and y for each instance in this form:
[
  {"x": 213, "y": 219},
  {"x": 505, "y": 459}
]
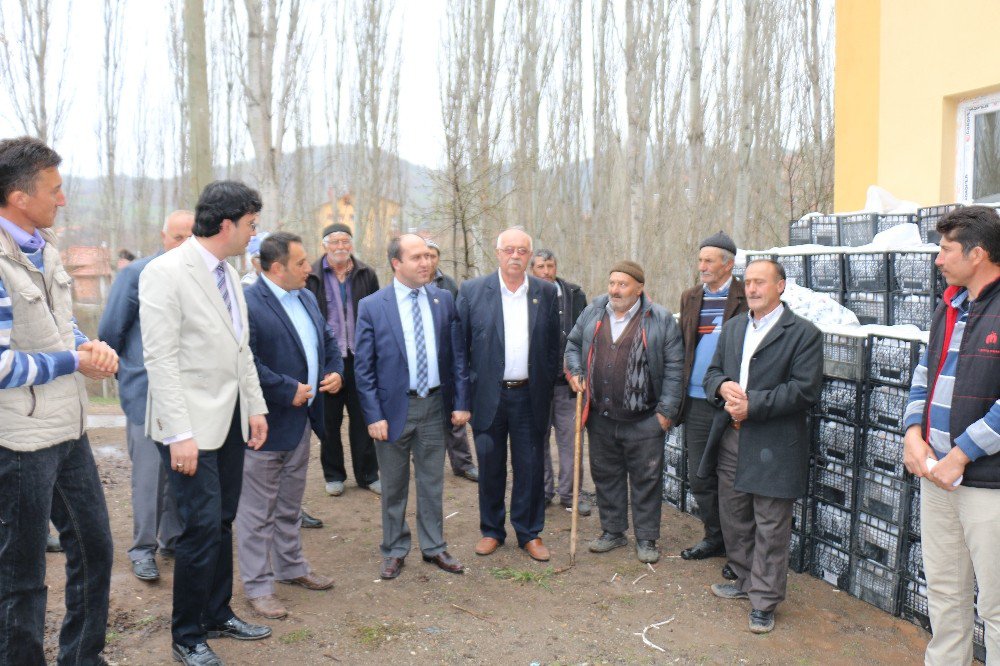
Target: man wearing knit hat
[
  {"x": 339, "y": 281},
  {"x": 626, "y": 353},
  {"x": 704, "y": 308}
]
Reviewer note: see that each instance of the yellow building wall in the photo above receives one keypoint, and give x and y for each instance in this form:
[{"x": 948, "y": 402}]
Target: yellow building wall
[{"x": 897, "y": 127}]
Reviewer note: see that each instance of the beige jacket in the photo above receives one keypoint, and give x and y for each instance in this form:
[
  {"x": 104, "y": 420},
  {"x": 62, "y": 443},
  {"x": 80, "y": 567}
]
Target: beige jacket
[{"x": 197, "y": 367}]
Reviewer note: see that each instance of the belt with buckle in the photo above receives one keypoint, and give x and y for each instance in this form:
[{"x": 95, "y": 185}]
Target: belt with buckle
[
  {"x": 735, "y": 425},
  {"x": 430, "y": 392},
  {"x": 513, "y": 384}
]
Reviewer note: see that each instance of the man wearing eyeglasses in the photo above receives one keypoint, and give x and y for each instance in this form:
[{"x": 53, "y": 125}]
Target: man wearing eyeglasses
[
  {"x": 511, "y": 325},
  {"x": 339, "y": 281}
]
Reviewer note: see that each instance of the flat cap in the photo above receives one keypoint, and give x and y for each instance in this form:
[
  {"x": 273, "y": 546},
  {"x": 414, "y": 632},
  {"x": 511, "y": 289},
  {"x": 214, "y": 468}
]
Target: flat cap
[
  {"x": 337, "y": 228},
  {"x": 720, "y": 240},
  {"x": 630, "y": 268}
]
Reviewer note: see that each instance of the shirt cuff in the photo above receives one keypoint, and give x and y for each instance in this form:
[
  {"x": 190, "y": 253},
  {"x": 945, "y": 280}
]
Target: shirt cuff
[
  {"x": 969, "y": 447},
  {"x": 178, "y": 438}
]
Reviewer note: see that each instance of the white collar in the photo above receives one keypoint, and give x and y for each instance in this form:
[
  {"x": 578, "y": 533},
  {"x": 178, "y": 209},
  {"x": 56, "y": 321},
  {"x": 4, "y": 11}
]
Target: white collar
[{"x": 523, "y": 289}]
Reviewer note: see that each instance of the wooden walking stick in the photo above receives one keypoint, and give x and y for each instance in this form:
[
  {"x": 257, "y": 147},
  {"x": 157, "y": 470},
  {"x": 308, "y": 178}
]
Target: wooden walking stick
[{"x": 577, "y": 456}]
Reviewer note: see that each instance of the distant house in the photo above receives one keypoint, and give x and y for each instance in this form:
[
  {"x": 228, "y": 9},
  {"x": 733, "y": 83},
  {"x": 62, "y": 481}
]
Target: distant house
[
  {"x": 341, "y": 210},
  {"x": 90, "y": 268}
]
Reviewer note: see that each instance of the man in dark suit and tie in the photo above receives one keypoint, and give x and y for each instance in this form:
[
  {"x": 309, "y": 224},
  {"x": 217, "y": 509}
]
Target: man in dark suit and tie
[
  {"x": 410, "y": 371},
  {"x": 155, "y": 522},
  {"x": 512, "y": 335},
  {"x": 295, "y": 351}
]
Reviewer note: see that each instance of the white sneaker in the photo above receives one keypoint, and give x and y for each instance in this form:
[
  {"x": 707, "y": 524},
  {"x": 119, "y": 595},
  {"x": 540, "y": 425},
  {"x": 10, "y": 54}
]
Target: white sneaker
[
  {"x": 335, "y": 488},
  {"x": 376, "y": 487}
]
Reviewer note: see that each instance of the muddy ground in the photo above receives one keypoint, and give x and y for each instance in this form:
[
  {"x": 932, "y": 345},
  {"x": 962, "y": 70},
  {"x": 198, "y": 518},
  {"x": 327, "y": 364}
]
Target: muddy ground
[{"x": 506, "y": 608}]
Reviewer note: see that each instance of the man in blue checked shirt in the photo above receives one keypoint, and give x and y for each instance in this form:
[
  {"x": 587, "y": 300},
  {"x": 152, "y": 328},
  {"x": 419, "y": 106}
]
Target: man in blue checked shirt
[
  {"x": 46, "y": 465},
  {"x": 953, "y": 439}
]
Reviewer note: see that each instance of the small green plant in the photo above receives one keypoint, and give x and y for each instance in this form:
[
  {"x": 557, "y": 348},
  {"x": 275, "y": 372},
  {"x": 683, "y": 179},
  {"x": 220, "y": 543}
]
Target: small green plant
[
  {"x": 524, "y": 575},
  {"x": 297, "y": 636},
  {"x": 374, "y": 635}
]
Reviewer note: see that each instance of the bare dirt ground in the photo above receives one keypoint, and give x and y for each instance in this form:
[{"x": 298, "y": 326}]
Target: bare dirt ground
[{"x": 506, "y": 608}]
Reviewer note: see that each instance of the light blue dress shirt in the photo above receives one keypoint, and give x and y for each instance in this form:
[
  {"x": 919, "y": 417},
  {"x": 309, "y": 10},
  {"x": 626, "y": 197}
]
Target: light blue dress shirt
[
  {"x": 304, "y": 326},
  {"x": 405, "y": 303}
]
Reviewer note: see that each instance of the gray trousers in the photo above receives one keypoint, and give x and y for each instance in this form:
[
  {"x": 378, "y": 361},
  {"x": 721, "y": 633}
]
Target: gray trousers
[
  {"x": 268, "y": 541},
  {"x": 627, "y": 456},
  {"x": 457, "y": 442},
  {"x": 155, "y": 521},
  {"x": 423, "y": 439},
  {"x": 563, "y": 420},
  {"x": 698, "y": 415},
  {"x": 756, "y": 530}
]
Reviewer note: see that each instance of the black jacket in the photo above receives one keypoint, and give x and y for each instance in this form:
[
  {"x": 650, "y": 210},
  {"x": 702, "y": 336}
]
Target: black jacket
[
  {"x": 446, "y": 282},
  {"x": 363, "y": 282},
  {"x": 576, "y": 300},
  {"x": 784, "y": 382}
]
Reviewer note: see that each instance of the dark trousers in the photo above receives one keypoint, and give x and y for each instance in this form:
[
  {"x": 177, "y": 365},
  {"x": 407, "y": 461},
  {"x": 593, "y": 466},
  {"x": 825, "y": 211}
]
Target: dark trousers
[
  {"x": 60, "y": 481},
  {"x": 756, "y": 529},
  {"x": 456, "y": 442},
  {"x": 698, "y": 415},
  {"x": 331, "y": 453},
  {"x": 627, "y": 456},
  {"x": 203, "y": 565},
  {"x": 527, "y": 496}
]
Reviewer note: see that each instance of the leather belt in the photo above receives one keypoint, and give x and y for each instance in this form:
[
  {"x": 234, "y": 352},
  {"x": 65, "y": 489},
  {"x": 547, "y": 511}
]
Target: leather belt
[
  {"x": 513, "y": 384},
  {"x": 430, "y": 392},
  {"x": 735, "y": 425}
]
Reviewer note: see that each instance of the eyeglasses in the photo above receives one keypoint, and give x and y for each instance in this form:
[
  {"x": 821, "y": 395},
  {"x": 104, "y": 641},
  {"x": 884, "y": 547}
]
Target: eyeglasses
[
  {"x": 340, "y": 242},
  {"x": 520, "y": 251}
]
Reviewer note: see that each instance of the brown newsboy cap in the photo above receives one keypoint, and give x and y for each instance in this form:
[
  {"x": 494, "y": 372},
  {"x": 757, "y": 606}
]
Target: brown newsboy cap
[{"x": 630, "y": 268}]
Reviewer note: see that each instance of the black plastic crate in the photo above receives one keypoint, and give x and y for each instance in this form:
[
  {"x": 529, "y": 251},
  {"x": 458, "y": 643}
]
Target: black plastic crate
[
  {"x": 826, "y": 272},
  {"x": 916, "y": 309},
  {"x": 868, "y": 271},
  {"x": 673, "y": 491},
  {"x": 882, "y": 451},
  {"x": 798, "y": 552},
  {"x": 824, "y": 230},
  {"x": 800, "y": 232},
  {"x": 915, "y": 561},
  {"x": 834, "y": 484},
  {"x": 879, "y": 541},
  {"x": 913, "y": 517},
  {"x": 888, "y": 221},
  {"x": 690, "y": 505},
  {"x": 871, "y": 307},
  {"x": 927, "y": 219},
  {"x": 832, "y": 525},
  {"x": 857, "y": 229},
  {"x": 915, "y": 273},
  {"x": 839, "y": 398},
  {"x": 884, "y": 497},
  {"x": 892, "y": 360},
  {"x": 885, "y": 406},
  {"x": 875, "y": 584},
  {"x": 796, "y": 267},
  {"x": 836, "y": 441},
  {"x": 830, "y": 564},
  {"x": 913, "y": 604},
  {"x": 844, "y": 356},
  {"x": 979, "y": 640},
  {"x": 673, "y": 460},
  {"x": 803, "y": 512}
]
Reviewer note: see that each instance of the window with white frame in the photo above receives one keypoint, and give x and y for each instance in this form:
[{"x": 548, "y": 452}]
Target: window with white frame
[{"x": 977, "y": 172}]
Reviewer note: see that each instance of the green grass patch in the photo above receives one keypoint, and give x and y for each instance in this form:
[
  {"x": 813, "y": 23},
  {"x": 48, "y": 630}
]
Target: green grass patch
[
  {"x": 540, "y": 578},
  {"x": 101, "y": 400},
  {"x": 297, "y": 636},
  {"x": 373, "y": 635}
]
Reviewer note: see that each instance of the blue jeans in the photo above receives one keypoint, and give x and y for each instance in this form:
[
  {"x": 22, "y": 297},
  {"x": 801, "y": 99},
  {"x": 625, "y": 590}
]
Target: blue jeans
[{"x": 62, "y": 482}]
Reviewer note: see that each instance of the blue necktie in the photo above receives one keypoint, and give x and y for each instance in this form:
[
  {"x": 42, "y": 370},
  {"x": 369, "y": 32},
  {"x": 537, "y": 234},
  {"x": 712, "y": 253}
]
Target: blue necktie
[
  {"x": 220, "y": 282},
  {"x": 418, "y": 339}
]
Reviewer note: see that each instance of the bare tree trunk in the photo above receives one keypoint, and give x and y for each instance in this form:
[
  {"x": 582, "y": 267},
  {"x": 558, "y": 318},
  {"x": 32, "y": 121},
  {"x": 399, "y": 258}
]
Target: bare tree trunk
[
  {"x": 107, "y": 131},
  {"x": 200, "y": 136}
]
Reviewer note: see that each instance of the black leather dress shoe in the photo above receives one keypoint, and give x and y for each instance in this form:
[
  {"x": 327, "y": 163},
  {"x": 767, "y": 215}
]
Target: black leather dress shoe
[
  {"x": 199, "y": 655},
  {"x": 391, "y": 567},
  {"x": 146, "y": 569},
  {"x": 728, "y": 573},
  {"x": 236, "y": 628},
  {"x": 703, "y": 549},
  {"x": 445, "y": 562},
  {"x": 309, "y": 522}
]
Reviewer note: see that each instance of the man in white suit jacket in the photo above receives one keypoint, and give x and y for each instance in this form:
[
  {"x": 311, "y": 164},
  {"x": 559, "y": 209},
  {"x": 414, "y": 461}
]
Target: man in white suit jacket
[{"x": 204, "y": 406}]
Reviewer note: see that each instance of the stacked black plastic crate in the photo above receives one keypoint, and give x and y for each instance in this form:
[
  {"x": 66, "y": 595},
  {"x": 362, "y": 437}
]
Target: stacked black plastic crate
[
  {"x": 674, "y": 456},
  {"x": 927, "y": 219},
  {"x": 866, "y": 280},
  {"x": 800, "y": 232},
  {"x": 825, "y": 272},
  {"x": 887, "y": 221},
  {"x": 916, "y": 286},
  {"x": 832, "y": 497}
]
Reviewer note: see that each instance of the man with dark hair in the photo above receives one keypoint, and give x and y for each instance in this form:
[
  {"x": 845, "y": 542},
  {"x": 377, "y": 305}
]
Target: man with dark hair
[
  {"x": 456, "y": 437},
  {"x": 411, "y": 371},
  {"x": 46, "y": 465},
  {"x": 155, "y": 522},
  {"x": 511, "y": 325},
  {"x": 205, "y": 407},
  {"x": 704, "y": 309},
  {"x": 295, "y": 353},
  {"x": 766, "y": 375},
  {"x": 951, "y": 441},
  {"x": 340, "y": 280},
  {"x": 625, "y": 353},
  {"x": 572, "y": 301}
]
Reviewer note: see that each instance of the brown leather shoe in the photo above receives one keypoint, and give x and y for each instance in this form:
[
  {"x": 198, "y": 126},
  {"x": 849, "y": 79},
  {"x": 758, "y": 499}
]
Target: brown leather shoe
[
  {"x": 311, "y": 581},
  {"x": 445, "y": 562},
  {"x": 487, "y": 545},
  {"x": 268, "y": 607},
  {"x": 391, "y": 567},
  {"x": 537, "y": 550}
]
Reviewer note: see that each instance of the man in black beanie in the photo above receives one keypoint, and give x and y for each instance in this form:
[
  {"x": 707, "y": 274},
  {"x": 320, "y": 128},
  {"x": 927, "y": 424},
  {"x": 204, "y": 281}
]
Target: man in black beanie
[{"x": 339, "y": 281}]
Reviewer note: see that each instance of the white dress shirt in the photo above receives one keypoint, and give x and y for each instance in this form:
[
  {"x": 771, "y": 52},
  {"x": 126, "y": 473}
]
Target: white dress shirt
[
  {"x": 515, "y": 330},
  {"x": 211, "y": 262},
  {"x": 756, "y": 330},
  {"x": 618, "y": 325},
  {"x": 304, "y": 328},
  {"x": 405, "y": 303}
]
